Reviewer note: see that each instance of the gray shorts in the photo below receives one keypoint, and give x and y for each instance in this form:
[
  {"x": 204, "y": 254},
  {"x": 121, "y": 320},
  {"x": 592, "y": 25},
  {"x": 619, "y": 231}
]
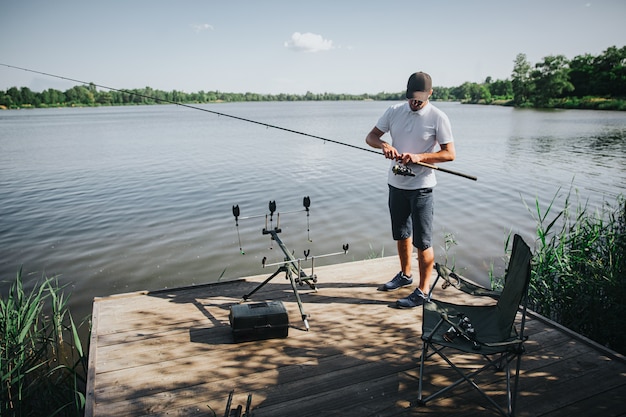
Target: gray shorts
[{"x": 412, "y": 215}]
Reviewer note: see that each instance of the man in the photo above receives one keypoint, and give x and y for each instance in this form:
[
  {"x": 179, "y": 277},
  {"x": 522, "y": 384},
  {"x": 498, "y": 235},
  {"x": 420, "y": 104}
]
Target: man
[{"x": 420, "y": 132}]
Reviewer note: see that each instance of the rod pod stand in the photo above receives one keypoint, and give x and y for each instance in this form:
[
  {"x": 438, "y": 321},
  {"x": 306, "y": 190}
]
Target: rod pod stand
[
  {"x": 293, "y": 272},
  {"x": 292, "y": 266}
]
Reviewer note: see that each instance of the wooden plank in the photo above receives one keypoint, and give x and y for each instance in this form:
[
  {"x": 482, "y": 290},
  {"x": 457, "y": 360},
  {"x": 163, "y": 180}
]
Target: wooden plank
[
  {"x": 171, "y": 352},
  {"x": 611, "y": 403},
  {"x": 90, "y": 398}
]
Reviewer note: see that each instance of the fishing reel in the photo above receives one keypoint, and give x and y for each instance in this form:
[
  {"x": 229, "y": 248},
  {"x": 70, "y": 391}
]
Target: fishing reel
[
  {"x": 403, "y": 170},
  {"x": 464, "y": 329}
]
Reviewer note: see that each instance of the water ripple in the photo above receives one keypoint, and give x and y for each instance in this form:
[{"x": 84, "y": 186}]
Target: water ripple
[{"x": 124, "y": 199}]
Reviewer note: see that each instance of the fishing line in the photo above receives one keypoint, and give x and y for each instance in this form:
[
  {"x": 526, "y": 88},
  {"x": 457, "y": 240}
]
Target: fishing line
[
  {"x": 267, "y": 125},
  {"x": 236, "y": 213}
]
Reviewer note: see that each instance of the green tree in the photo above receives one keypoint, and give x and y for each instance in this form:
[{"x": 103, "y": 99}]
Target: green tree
[
  {"x": 6, "y": 100},
  {"x": 104, "y": 97},
  {"x": 462, "y": 92},
  {"x": 29, "y": 97},
  {"x": 610, "y": 73},
  {"x": 550, "y": 80},
  {"x": 520, "y": 80},
  {"x": 581, "y": 75},
  {"x": 52, "y": 97},
  {"x": 80, "y": 95},
  {"x": 501, "y": 89},
  {"x": 14, "y": 96},
  {"x": 480, "y": 93},
  {"x": 441, "y": 93}
]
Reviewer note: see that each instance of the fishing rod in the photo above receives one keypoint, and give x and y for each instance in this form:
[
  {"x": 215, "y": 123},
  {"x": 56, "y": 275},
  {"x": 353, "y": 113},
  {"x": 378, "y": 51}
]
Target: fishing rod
[{"x": 397, "y": 169}]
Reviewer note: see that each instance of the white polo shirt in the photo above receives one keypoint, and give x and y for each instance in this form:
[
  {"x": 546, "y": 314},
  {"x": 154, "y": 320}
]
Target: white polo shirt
[{"x": 415, "y": 132}]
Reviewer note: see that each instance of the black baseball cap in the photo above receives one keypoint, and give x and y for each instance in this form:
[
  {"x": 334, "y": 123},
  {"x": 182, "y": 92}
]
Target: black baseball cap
[{"x": 419, "y": 86}]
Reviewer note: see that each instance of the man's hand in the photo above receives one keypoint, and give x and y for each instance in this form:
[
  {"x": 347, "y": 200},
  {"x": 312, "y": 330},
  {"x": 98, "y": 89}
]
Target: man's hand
[
  {"x": 389, "y": 151},
  {"x": 407, "y": 158}
]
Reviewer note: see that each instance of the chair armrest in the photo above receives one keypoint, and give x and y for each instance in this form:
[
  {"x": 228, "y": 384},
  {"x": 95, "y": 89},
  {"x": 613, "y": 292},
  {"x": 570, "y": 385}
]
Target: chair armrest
[{"x": 461, "y": 283}]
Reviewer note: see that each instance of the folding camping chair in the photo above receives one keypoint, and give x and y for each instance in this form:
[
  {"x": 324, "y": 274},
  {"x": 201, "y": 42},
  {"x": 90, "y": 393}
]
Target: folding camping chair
[{"x": 485, "y": 332}]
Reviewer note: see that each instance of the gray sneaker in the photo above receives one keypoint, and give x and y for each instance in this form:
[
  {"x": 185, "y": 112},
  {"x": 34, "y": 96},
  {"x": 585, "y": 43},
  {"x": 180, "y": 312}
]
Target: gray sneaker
[
  {"x": 399, "y": 281},
  {"x": 415, "y": 299}
]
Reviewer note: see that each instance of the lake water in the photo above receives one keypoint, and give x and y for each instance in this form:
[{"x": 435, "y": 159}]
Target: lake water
[{"x": 119, "y": 199}]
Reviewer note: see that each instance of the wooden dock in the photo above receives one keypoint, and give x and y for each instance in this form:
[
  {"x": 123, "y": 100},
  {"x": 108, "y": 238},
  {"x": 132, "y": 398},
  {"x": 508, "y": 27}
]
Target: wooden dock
[{"x": 171, "y": 353}]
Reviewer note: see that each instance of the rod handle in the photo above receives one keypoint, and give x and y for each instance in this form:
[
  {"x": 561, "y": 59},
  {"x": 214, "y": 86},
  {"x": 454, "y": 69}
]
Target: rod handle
[{"x": 448, "y": 171}]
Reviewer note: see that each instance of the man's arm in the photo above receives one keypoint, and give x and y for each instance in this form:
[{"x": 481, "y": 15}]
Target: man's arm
[
  {"x": 374, "y": 140},
  {"x": 445, "y": 154}
]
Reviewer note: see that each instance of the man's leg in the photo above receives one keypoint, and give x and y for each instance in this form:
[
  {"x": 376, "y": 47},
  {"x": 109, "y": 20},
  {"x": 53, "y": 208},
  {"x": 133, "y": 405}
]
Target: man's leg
[
  {"x": 403, "y": 278},
  {"x": 401, "y": 229},
  {"x": 405, "y": 252},
  {"x": 422, "y": 220},
  {"x": 426, "y": 259}
]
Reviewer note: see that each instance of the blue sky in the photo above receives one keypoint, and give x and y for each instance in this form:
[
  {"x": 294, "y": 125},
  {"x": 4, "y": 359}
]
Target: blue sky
[{"x": 293, "y": 46}]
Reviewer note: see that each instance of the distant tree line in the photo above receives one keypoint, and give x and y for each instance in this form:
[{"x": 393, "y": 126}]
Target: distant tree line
[
  {"x": 587, "y": 81},
  {"x": 88, "y": 95}
]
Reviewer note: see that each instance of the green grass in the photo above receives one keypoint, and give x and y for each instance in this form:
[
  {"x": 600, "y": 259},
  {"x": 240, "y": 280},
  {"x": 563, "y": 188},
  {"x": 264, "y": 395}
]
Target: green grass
[
  {"x": 579, "y": 269},
  {"x": 42, "y": 362}
]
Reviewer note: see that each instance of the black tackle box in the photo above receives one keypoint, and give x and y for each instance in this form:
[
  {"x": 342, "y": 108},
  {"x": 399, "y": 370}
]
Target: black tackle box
[{"x": 257, "y": 321}]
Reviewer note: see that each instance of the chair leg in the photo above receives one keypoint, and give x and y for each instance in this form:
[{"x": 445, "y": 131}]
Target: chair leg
[
  {"x": 422, "y": 359},
  {"x": 508, "y": 388},
  {"x": 516, "y": 384},
  {"x": 426, "y": 342},
  {"x": 464, "y": 378},
  {"x": 503, "y": 361}
]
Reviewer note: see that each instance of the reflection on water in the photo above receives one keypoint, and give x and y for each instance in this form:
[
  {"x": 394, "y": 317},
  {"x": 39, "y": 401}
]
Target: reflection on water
[
  {"x": 130, "y": 198},
  {"x": 613, "y": 141}
]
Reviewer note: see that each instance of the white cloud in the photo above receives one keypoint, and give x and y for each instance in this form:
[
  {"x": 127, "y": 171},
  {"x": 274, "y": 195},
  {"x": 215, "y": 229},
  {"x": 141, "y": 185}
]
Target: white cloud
[
  {"x": 201, "y": 27},
  {"x": 308, "y": 42}
]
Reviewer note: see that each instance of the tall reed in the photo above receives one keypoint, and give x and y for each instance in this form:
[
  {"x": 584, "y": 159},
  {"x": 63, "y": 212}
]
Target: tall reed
[
  {"x": 42, "y": 362},
  {"x": 579, "y": 269}
]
